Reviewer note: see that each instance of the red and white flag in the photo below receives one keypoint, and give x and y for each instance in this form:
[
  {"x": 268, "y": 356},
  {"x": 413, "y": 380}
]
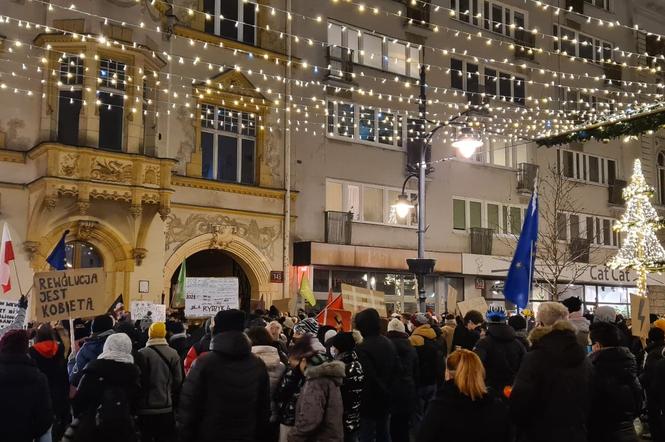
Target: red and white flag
[{"x": 6, "y": 256}]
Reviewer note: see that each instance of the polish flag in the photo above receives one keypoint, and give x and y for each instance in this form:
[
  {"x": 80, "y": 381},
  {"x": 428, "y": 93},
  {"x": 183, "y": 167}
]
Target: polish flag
[{"x": 6, "y": 256}]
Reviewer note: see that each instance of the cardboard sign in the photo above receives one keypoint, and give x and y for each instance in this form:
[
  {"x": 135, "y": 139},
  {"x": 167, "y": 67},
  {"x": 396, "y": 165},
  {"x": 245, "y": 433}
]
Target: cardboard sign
[
  {"x": 357, "y": 299},
  {"x": 284, "y": 305},
  {"x": 639, "y": 315},
  {"x": 204, "y": 297},
  {"x": 140, "y": 310},
  {"x": 451, "y": 301},
  {"x": 8, "y": 311},
  {"x": 478, "y": 304},
  {"x": 79, "y": 293}
]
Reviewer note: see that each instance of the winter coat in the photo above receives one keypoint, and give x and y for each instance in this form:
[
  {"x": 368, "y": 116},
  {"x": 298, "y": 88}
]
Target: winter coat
[
  {"x": 351, "y": 389},
  {"x": 25, "y": 408},
  {"x": 550, "y": 398},
  {"x": 320, "y": 408},
  {"x": 430, "y": 356},
  {"x": 616, "y": 396},
  {"x": 654, "y": 353},
  {"x": 126, "y": 326},
  {"x": 447, "y": 332},
  {"x": 501, "y": 353},
  {"x": 378, "y": 358},
  {"x": 180, "y": 343},
  {"x": 226, "y": 396},
  {"x": 521, "y": 336},
  {"x": 49, "y": 358},
  {"x": 287, "y": 395},
  {"x": 582, "y": 326},
  {"x": 465, "y": 338},
  {"x": 404, "y": 398},
  {"x": 161, "y": 377},
  {"x": 453, "y": 417},
  {"x": 270, "y": 356},
  {"x": 198, "y": 349},
  {"x": 91, "y": 348}
]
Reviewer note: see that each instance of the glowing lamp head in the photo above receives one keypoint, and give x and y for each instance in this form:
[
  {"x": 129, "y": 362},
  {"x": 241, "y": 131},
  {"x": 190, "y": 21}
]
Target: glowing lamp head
[
  {"x": 402, "y": 206},
  {"x": 467, "y": 143}
]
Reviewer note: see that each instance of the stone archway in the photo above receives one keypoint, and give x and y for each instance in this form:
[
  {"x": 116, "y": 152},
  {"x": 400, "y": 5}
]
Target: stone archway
[{"x": 247, "y": 256}]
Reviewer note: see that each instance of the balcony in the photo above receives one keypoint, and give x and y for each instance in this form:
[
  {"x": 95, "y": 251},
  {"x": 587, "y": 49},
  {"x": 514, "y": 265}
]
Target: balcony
[
  {"x": 615, "y": 192},
  {"x": 575, "y": 6},
  {"x": 526, "y": 177},
  {"x": 481, "y": 240},
  {"x": 612, "y": 73},
  {"x": 340, "y": 64},
  {"x": 525, "y": 41},
  {"x": 579, "y": 250},
  {"x": 418, "y": 17},
  {"x": 338, "y": 227}
]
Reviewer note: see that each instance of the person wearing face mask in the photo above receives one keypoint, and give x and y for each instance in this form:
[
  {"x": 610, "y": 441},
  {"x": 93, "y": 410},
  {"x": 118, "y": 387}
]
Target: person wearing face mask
[{"x": 342, "y": 348}]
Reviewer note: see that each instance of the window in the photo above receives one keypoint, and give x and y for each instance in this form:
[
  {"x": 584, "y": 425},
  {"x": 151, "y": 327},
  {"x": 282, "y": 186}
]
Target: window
[
  {"x": 573, "y": 43},
  {"x": 603, "y": 4},
  {"x": 661, "y": 177},
  {"x": 384, "y": 129},
  {"x": 232, "y": 19},
  {"x": 586, "y": 107},
  {"x": 502, "y": 218},
  {"x": 376, "y": 50},
  {"x": 369, "y": 203},
  {"x": 598, "y": 230},
  {"x": 110, "y": 98},
  {"x": 506, "y": 86},
  {"x": 490, "y": 15},
  {"x": 70, "y": 98},
  {"x": 228, "y": 144},
  {"x": 81, "y": 255},
  {"x": 501, "y": 152},
  {"x": 585, "y": 167}
]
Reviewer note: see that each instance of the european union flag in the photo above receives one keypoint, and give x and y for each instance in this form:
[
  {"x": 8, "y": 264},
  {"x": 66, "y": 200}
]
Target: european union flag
[
  {"x": 520, "y": 274},
  {"x": 58, "y": 257}
]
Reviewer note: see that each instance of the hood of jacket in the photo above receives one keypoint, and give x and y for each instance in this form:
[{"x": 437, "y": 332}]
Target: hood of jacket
[
  {"x": 46, "y": 349},
  {"x": 559, "y": 342},
  {"x": 268, "y": 354},
  {"x": 421, "y": 333},
  {"x": 231, "y": 343},
  {"x": 394, "y": 334},
  {"x": 581, "y": 323},
  {"x": 336, "y": 370},
  {"x": 501, "y": 332},
  {"x": 614, "y": 361}
]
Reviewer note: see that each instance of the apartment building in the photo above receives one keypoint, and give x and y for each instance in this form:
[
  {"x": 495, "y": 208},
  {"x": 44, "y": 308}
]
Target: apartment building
[{"x": 268, "y": 140}]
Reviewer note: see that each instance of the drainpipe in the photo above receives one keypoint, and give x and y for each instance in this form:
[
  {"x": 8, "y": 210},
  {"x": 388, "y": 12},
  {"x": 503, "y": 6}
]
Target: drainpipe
[{"x": 286, "y": 247}]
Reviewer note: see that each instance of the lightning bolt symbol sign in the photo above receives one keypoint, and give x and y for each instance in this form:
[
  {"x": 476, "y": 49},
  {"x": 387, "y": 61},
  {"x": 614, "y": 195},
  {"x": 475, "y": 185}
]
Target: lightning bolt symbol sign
[{"x": 640, "y": 314}]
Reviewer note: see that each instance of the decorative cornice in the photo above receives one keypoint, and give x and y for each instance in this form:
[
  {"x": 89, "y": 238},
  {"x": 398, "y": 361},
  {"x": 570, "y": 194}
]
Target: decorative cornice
[
  {"x": 242, "y": 189},
  {"x": 42, "y": 148},
  {"x": 12, "y": 156}
]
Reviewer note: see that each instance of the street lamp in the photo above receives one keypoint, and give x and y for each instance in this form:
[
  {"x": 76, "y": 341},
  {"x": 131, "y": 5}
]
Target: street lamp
[
  {"x": 403, "y": 205},
  {"x": 467, "y": 143}
]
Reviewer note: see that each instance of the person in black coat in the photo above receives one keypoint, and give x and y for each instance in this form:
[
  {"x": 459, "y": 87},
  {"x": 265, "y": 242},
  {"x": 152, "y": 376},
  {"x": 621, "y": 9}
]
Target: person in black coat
[
  {"x": 648, "y": 378},
  {"x": 616, "y": 393},
  {"x": 343, "y": 348},
  {"x": 379, "y": 360},
  {"x": 500, "y": 351},
  {"x": 226, "y": 396},
  {"x": 404, "y": 397},
  {"x": 550, "y": 397},
  {"x": 178, "y": 339},
  {"x": 49, "y": 356},
  {"x": 467, "y": 334},
  {"x": 25, "y": 408},
  {"x": 464, "y": 409}
]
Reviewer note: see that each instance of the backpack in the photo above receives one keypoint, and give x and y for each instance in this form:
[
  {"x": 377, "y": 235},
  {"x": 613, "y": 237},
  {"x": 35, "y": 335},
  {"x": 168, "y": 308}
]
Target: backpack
[{"x": 114, "y": 410}]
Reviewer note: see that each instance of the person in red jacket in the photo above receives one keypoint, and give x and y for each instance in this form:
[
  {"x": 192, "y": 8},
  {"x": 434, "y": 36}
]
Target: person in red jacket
[{"x": 199, "y": 348}]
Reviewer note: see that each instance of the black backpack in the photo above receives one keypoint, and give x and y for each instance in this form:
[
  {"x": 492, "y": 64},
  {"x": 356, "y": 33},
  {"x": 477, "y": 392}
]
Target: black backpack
[{"x": 114, "y": 410}]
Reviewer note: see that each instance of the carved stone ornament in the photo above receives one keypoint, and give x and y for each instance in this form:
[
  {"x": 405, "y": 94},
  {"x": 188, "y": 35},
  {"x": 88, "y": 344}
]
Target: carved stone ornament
[
  {"x": 139, "y": 255},
  {"x": 136, "y": 210},
  {"x": 151, "y": 175},
  {"x": 164, "y": 212},
  {"x": 50, "y": 202},
  {"x": 111, "y": 170},
  {"x": 222, "y": 236},
  {"x": 31, "y": 249},
  {"x": 86, "y": 229},
  {"x": 83, "y": 206},
  {"x": 69, "y": 164}
]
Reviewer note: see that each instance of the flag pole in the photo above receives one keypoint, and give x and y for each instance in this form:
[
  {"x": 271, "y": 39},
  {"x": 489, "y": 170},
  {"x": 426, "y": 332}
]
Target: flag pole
[{"x": 18, "y": 280}]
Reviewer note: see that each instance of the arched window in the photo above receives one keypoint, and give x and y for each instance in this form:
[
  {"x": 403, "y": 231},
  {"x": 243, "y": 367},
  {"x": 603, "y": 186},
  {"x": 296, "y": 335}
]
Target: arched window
[
  {"x": 661, "y": 177},
  {"x": 81, "y": 255}
]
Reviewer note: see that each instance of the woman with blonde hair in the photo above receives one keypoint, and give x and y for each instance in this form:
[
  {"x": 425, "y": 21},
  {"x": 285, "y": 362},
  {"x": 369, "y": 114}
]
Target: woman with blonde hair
[{"x": 464, "y": 408}]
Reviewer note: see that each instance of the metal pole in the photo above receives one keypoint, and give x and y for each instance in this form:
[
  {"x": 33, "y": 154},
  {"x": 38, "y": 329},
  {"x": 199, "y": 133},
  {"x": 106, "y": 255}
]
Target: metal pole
[{"x": 422, "y": 171}]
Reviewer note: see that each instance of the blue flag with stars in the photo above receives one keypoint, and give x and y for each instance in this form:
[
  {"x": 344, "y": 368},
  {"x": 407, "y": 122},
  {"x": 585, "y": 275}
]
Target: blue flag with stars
[
  {"x": 58, "y": 257},
  {"x": 520, "y": 274}
]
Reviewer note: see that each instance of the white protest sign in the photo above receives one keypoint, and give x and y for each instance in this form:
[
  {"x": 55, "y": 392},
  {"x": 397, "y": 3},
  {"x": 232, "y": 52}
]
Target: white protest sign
[
  {"x": 140, "y": 309},
  {"x": 639, "y": 315},
  {"x": 204, "y": 297},
  {"x": 478, "y": 304},
  {"x": 8, "y": 311}
]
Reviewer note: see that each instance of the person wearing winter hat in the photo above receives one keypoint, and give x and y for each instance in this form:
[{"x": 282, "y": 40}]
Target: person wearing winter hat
[
  {"x": 178, "y": 339},
  {"x": 227, "y": 391},
  {"x": 319, "y": 408},
  {"x": 574, "y": 306},
  {"x": 112, "y": 377},
  {"x": 199, "y": 348},
  {"x": 343, "y": 348},
  {"x": 49, "y": 355},
  {"x": 101, "y": 329},
  {"x": 605, "y": 313},
  {"x": 550, "y": 312},
  {"x": 467, "y": 335},
  {"x": 161, "y": 380},
  {"x": 518, "y": 323},
  {"x": 660, "y": 323},
  {"x": 499, "y": 350},
  {"x": 25, "y": 411},
  {"x": 404, "y": 398},
  {"x": 307, "y": 326}
]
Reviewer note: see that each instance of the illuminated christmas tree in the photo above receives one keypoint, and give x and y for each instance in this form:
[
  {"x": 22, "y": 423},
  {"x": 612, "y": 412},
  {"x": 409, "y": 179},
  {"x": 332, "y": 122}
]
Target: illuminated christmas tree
[{"x": 640, "y": 250}]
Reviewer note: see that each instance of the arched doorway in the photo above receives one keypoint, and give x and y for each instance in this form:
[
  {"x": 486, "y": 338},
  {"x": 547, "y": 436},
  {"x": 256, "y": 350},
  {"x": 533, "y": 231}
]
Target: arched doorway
[{"x": 213, "y": 263}]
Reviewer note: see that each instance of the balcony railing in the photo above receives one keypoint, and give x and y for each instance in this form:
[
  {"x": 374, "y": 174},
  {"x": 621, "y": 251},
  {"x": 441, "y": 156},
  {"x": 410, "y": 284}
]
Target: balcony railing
[
  {"x": 525, "y": 41},
  {"x": 575, "y": 6},
  {"x": 481, "y": 240},
  {"x": 526, "y": 177},
  {"x": 340, "y": 62},
  {"x": 579, "y": 249},
  {"x": 338, "y": 227},
  {"x": 612, "y": 73},
  {"x": 615, "y": 192},
  {"x": 418, "y": 13}
]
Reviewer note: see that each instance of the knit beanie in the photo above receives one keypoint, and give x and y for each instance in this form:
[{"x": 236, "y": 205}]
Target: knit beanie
[
  {"x": 420, "y": 319},
  {"x": 14, "y": 342},
  {"x": 343, "y": 342},
  {"x": 573, "y": 304},
  {"x": 44, "y": 333},
  {"x": 157, "y": 330},
  {"x": 605, "y": 313},
  {"x": 660, "y": 323},
  {"x": 517, "y": 322},
  {"x": 329, "y": 335},
  {"x": 496, "y": 314},
  {"x": 229, "y": 320},
  {"x": 396, "y": 325},
  {"x": 307, "y": 326},
  {"x": 368, "y": 322},
  {"x": 101, "y": 324}
]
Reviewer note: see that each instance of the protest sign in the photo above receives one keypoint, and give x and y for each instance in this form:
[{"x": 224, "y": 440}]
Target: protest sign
[
  {"x": 639, "y": 315},
  {"x": 357, "y": 299},
  {"x": 8, "y": 311},
  {"x": 478, "y": 304},
  {"x": 79, "y": 293},
  {"x": 204, "y": 297},
  {"x": 284, "y": 305},
  {"x": 140, "y": 310}
]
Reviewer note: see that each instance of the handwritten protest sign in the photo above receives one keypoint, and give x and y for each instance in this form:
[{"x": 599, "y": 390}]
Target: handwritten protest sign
[
  {"x": 204, "y": 297},
  {"x": 8, "y": 311},
  {"x": 140, "y": 310},
  {"x": 478, "y": 304},
  {"x": 72, "y": 294}
]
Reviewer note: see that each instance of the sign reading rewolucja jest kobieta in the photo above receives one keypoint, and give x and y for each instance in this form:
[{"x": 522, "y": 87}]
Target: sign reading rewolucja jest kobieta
[{"x": 68, "y": 294}]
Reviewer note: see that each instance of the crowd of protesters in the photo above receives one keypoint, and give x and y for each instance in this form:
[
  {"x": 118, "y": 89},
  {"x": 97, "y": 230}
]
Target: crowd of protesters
[{"x": 268, "y": 376}]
